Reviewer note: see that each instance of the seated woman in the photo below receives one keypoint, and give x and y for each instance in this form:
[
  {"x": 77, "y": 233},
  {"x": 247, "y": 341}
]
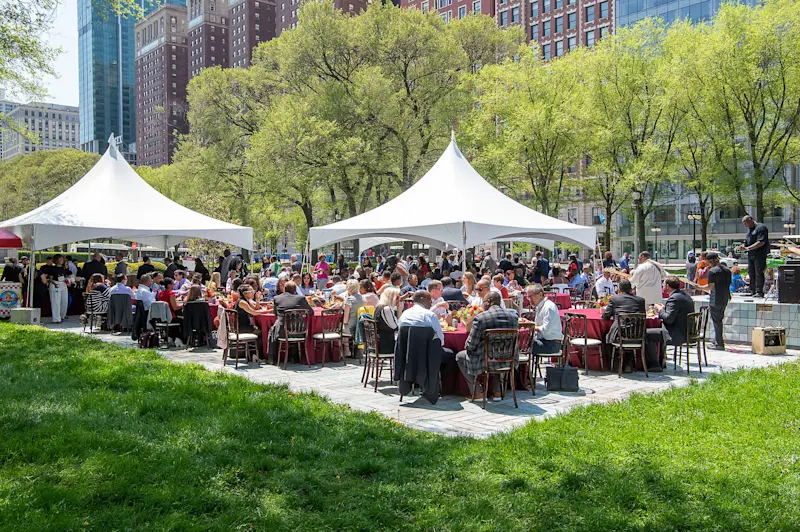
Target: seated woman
[
  {"x": 195, "y": 293},
  {"x": 737, "y": 281},
  {"x": 367, "y": 291},
  {"x": 98, "y": 303},
  {"x": 168, "y": 296},
  {"x": 387, "y": 312},
  {"x": 307, "y": 286},
  {"x": 558, "y": 276},
  {"x": 213, "y": 285},
  {"x": 468, "y": 284},
  {"x": 245, "y": 309}
]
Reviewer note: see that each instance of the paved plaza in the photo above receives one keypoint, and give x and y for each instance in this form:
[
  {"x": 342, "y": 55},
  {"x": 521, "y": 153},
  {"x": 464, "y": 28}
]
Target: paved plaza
[{"x": 452, "y": 415}]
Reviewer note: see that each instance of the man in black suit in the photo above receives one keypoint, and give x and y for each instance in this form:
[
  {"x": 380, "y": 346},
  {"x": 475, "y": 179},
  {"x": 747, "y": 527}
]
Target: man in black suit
[
  {"x": 506, "y": 264},
  {"x": 94, "y": 266},
  {"x": 145, "y": 268},
  {"x": 288, "y": 300},
  {"x": 673, "y": 330},
  {"x": 622, "y": 303},
  {"x": 450, "y": 292}
]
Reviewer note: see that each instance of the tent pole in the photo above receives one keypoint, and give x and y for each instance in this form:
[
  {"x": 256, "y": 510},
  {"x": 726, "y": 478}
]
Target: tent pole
[
  {"x": 32, "y": 270},
  {"x": 463, "y": 248}
]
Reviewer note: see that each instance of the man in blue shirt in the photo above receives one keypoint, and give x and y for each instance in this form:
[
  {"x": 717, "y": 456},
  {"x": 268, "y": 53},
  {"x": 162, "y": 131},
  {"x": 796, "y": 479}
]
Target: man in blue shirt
[
  {"x": 542, "y": 268},
  {"x": 625, "y": 261},
  {"x": 581, "y": 280},
  {"x": 420, "y": 314}
]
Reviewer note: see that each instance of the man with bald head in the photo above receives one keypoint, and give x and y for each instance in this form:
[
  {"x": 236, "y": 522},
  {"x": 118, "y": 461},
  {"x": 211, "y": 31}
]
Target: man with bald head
[{"x": 756, "y": 243}]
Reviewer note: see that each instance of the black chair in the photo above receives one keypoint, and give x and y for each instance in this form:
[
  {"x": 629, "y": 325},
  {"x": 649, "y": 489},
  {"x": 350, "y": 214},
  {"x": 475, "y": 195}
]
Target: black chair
[
  {"x": 632, "y": 337},
  {"x": 694, "y": 338},
  {"x": 576, "y": 336},
  {"x": 295, "y": 328},
  {"x": 499, "y": 355},
  {"x": 248, "y": 342},
  {"x": 372, "y": 356},
  {"x": 197, "y": 324}
]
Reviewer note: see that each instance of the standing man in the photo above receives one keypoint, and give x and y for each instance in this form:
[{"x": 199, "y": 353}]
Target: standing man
[
  {"x": 226, "y": 265},
  {"x": 756, "y": 244},
  {"x": 94, "y": 266},
  {"x": 297, "y": 264},
  {"x": 145, "y": 268},
  {"x": 541, "y": 269},
  {"x": 122, "y": 267},
  {"x": 647, "y": 279},
  {"x": 489, "y": 263},
  {"x": 719, "y": 280}
]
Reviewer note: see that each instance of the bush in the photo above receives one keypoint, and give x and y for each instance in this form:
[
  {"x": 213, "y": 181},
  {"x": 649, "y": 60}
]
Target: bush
[{"x": 133, "y": 267}]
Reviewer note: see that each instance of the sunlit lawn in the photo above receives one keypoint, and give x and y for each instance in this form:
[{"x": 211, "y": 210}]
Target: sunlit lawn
[{"x": 96, "y": 437}]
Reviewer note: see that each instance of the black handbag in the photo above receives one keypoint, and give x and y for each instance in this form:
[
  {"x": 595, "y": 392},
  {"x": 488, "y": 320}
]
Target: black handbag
[{"x": 561, "y": 379}]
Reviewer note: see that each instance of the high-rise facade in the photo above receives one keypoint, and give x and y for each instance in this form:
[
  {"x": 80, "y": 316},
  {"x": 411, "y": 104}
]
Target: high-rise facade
[
  {"x": 251, "y": 22},
  {"x": 208, "y": 35},
  {"x": 162, "y": 73},
  {"x": 6, "y": 107},
  {"x": 55, "y": 125},
  {"x": 452, "y": 9},
  {"x": 630, "y": 11},
  {"x": 286, "y": 11}
]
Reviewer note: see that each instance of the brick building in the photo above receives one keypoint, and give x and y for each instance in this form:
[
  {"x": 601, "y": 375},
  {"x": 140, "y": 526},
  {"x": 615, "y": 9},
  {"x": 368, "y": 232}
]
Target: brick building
[
  {"x": 208, "y": 35},
  {"x": 251, "y": 22},
  {"x": 286, "y": 11},
  {"x": 162, "y": 73},
  {"x": 452, "y": 9}
]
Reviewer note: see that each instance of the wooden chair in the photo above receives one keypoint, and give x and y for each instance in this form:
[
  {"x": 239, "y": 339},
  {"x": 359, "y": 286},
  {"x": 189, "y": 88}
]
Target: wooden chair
[
  {"x": 553, "y": 296},
  {"x": 499, "y": 354},
  {"x": 332, "y": 323},
  {"x": 582, "y": 304},
  {"x": 238, "y": 340},
  {"x": 526, "y": 336},
  {"x": 529, "y": 315},
  {"x": 93, "y": 304},
  {"x": 576, "y": 336},
  {"x": 295, "y": 328},
  {"x": 575, "y": 294},
  {"x": 372, "y": 358},
  {"x": 632, "y": 337},
  {"x": 694, "y": 338}
]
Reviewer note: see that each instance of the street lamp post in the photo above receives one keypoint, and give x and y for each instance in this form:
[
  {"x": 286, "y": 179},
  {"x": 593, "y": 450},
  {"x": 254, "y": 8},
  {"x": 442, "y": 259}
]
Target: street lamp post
[
  {"x": 655, "y": 231},
  {"x": 694, "y": 216}
]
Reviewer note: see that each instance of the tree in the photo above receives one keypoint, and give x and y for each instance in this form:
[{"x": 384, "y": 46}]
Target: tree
[
  {"x": 630, "y": 120},
  {"x": 31, "y": 180},
  {"x": 742, "y": 85},
  {"x": 522, "y": 127}
]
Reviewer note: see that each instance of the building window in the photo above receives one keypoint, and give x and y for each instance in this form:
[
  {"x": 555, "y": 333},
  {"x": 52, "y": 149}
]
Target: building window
[
  {"x": 425, "y": 6},
  {"x": 545, "y": 6},
  {"x": 597, "y": 216},
  {"x": 559, "y": 24},
  {"x": 664, "y": 214},
  {"x": 572, "y": 43},
  {"x": 590, "y": 14},
  {"x": 559, "y": 48},
  {"x": 572, "y": 20},
  {"x": 604, "y": 9},
  {"x": 557, "y": 4},
  {"x": 546, "y": 28},
  {"x": 514, "y": 14},
  {"x": 590, "y": 40},
  {"x": 504, "y": 18},
  {"x": 535, "y": 8},
  {"x": 476, "y": 6},
  {"x": 546, "y": 51},
  {"x": 603, "y": 31},
  {"x": 462, "y": 12},
  {"x": 535, "y": 32}
]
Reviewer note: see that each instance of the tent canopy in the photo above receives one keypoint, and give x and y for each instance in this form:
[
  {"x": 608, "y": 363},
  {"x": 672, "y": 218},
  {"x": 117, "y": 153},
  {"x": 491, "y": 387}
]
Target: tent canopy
[
  {"x": 453, "y": 206},
  {"x": 113, "y": 201}
]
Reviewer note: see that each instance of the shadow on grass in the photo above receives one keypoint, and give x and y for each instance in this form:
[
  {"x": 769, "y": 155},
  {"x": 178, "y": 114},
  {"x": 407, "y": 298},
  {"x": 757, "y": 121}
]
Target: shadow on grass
[{"x": 118, "y": 439}]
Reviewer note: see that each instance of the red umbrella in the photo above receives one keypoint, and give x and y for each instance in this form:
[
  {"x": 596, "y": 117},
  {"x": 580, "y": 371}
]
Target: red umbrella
[{"x": 9, "y": 240}]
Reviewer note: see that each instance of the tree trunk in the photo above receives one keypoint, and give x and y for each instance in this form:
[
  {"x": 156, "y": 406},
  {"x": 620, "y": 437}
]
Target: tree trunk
[{"x": 607, "y": 236}]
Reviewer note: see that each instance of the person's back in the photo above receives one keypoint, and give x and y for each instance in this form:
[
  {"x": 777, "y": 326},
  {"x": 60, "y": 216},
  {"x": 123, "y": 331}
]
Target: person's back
[
  {"x": 624, "y": 303},
  {"x": 288, "y": 301},
  {"x": 145, "y": 269},
  {"x": 495, "y": 317},
  {"x": 452, "y": 294},
  {"x": 675, "y": 314}
]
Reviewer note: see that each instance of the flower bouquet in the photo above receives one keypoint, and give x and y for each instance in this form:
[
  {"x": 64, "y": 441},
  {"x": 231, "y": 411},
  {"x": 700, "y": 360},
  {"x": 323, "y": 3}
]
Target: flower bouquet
[
  {"x": 603, "y": 301},
  {"x": 467, "y": 314}
]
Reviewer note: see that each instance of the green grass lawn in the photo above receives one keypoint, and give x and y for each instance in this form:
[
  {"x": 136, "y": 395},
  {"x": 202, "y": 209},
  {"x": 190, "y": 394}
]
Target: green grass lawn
[{"x": 95, "y": 437}]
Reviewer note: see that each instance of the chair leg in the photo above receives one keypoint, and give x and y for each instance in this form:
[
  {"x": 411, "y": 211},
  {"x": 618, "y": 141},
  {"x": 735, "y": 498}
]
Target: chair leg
[
  {"x": 364, "y": 373},
  {"x": 675, "y": 357},
  {"x": 644, "y": 362},
  {"x": 474, "y": 389},
  {"x": 485, "y": 388},
  {"x": 378, "y": 371},
  {"x": 532, "y": 374},
  {"x": 621, "y": 358},
  {"x": 699, "y": 358},
  {"x": 324, "y": 351},
  {"x": 705, "y": 355},
  {"x": 602, "y": 362},
  {"x": 586, "y": 359},
  {"x": 513, "y": 378},
  {"x": 224, "y": 356}
]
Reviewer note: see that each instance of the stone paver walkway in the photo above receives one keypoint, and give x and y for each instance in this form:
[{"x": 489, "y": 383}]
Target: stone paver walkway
[{"x": 453, "y": 416}]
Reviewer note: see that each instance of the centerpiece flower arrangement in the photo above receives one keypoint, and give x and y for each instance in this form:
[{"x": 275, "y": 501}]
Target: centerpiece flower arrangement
[
  {"x": 467, "y": 314},
  {"x": 603, "y": 301}
]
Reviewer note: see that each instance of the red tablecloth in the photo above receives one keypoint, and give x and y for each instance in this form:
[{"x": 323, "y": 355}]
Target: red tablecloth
[
  {"x": 597, "y": 328},
  {"x": 453, "y": 381},
  {"x": 265, "y": 321},
  {"x": 214, "y": 308},
  {"x": 564, "y": 301}
]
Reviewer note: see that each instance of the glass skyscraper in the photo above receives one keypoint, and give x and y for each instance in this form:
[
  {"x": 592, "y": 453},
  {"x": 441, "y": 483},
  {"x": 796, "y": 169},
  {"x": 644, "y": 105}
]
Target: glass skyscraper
[
  {"x": 103, "y": 40},
  {"x": 630, "y": 11}
]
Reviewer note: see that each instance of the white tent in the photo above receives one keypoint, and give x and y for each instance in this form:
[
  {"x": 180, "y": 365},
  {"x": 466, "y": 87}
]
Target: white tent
[
  {"x": 113, "y": 201},
  {"x": 453, "y": 206}
]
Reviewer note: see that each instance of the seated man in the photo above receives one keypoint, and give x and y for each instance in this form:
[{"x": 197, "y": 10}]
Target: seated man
[
  {"x": 144, "y": 293},
  {"x": 581, "y": 279},
  {"x": 122, "y": 287},
  {"x": 180, "y": 280},
  {"x": 604, "y": 285},
  {"x": 420, "y": 314},
  {"x": 438, "y": 304},
  {"x": 622, "y": 303},
  {"x": 450, "y": 292},
  {"x": 471, "y": 361},
  {"x": 288, "y": 300},
  {"x": 548, "y": 322},
  {"x": 673, "y": 330},
  {"x": 412, "y": 285}
]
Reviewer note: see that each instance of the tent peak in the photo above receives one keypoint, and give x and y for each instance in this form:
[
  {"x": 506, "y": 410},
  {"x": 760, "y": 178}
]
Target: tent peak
[
  {"x": 113, "y": 145},
  {"x": 452, "y": 134}
]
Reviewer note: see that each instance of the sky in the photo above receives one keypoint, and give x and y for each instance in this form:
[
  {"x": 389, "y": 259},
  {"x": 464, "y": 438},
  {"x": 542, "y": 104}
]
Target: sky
[{"x": 64, "y": 34}]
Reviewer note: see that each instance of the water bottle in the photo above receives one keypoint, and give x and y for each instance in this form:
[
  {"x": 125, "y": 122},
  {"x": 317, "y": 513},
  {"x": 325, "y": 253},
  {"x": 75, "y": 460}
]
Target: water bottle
[{"x": 455, "y": 323}]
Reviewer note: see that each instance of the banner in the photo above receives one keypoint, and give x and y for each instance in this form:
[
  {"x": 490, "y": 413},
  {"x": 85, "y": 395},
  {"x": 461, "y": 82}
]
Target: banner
[{"x": 10, "y": 298}]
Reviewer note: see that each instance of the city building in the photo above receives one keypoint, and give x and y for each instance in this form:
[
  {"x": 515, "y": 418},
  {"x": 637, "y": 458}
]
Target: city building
[
  {"x": 162, "y": 73},
  {"x": 107, "y": 81},
  {"x": 631, "y": 11},
  {"x": 452, "y": 9},
  {"x": 57, "y": 127},
  {"x": 6, "y": 107},
  {"x": 208, "y": 35},
  {"x": 286, "y": 11},
  {"x": 251, "y": 22}
]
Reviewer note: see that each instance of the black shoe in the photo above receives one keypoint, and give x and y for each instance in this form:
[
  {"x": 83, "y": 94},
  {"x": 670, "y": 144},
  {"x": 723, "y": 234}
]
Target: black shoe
[{"x": 718, "y": 347}]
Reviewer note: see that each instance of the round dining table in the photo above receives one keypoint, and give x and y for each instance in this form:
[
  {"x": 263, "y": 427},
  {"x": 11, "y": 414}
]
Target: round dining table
[
  {"x": 598, "y": 328},
  {"x": 265, "y": 321}
]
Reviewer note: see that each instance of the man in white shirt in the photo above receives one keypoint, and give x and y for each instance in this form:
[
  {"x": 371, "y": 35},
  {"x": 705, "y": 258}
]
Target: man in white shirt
[
  {"x": 548, "y": 322},
  {"x": 420, "y": 314},
  {"x": 121, "y": 287},
  {"x": 144, "y": 293},
  {"x": 604, "y": 285},
  {"x": 647, "y": 279},
  {"x": 438, "y": 305}
]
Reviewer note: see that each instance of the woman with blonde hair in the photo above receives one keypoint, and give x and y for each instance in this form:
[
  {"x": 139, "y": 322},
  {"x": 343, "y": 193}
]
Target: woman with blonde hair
[
  {"x": 387, "y": 312},
  {"x": 352, "y": 303},
  {"x": 214, "y": 284},
  {"x": 469, "y": 282}
]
